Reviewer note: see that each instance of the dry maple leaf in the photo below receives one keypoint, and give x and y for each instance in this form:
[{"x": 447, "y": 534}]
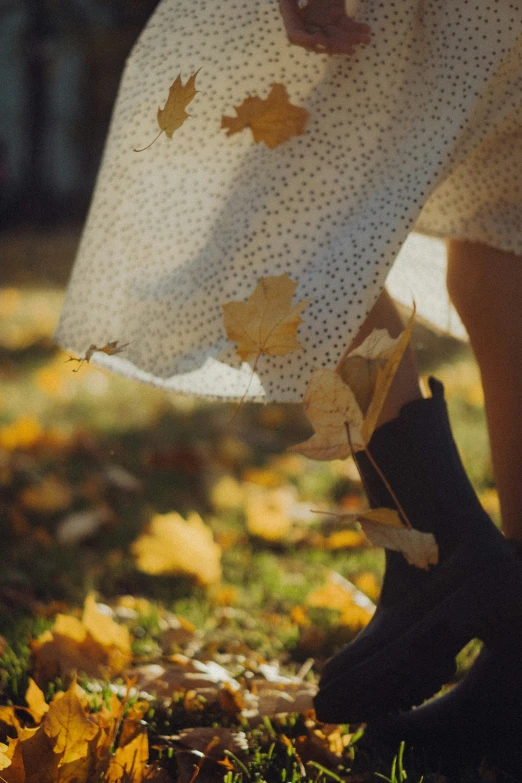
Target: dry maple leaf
[
  {"x": 351, "y": 397},
  {"x": 171, "y": 545},
  {"x": 95, "y": 645},
  {"x": 36, "y": 701},
  {"x": 108, "y": 348},
  {"x": 329, "y": 404},
  {"x": 370, "y": 369},
  {"x": 69, "y": 726},
  {"x": 266, "y": 323},
  {"x": 272, "y": 120},
  {"x": 173, "y": 114},
  {"x": 419, "y": 549},
  {"x": 129, "y": 762}
]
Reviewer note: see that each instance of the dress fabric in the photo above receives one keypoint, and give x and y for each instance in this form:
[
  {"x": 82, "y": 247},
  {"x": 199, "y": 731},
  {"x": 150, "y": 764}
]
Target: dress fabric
[{"x": 420, "y": 130}]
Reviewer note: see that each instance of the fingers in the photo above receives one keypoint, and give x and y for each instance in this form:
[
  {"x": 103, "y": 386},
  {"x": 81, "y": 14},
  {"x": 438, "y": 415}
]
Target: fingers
[{"x": 339, "y": 36}]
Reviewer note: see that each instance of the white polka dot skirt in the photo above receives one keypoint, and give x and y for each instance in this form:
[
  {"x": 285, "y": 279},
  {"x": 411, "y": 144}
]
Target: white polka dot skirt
[{"x": 421, "y": 129}]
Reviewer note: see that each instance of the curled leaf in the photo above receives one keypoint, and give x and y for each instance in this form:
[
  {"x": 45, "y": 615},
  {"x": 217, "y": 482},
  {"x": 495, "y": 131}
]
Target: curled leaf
[{"x": 419, "y": 549}]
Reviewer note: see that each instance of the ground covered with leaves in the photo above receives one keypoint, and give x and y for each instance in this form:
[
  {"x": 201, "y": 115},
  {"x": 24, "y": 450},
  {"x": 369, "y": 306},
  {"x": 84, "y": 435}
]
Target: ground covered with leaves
[{"x": 173, "y": 579}]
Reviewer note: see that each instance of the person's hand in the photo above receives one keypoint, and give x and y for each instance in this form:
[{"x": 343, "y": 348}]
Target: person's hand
[{"x": 323, "y": 26}]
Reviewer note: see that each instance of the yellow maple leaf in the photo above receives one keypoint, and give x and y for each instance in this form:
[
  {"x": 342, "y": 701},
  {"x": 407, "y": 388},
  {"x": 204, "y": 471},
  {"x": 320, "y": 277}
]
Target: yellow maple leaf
[
  {"x": 129, "y": 762},
  {"x": 272, "y": 120},
  {"x": 36, "y": 701},
  {"x": 173, "y": 114},
  {"x": 268, "y": 511},
  {"x": 95, "y": 645},
  {"x": 69, "y": 726},
  {"x": 171, "y": 545},
  {"x": 266, "y": 323}
]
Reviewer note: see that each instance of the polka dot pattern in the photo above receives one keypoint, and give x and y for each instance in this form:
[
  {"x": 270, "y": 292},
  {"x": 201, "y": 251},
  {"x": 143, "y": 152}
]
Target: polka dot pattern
[{"x": 420, "y": 129}]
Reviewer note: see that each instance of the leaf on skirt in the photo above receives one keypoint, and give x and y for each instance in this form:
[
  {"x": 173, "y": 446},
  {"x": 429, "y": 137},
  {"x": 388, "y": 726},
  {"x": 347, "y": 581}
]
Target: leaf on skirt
[
  {"x": 272, "y": 120},
  {"x": 266, "y": 323},
  {"x": 109, "y": 348}
]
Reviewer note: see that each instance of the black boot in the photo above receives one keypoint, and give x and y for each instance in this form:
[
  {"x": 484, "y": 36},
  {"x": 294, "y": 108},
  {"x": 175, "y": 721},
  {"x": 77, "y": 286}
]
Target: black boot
[
  {"x": 407, "y": 652},
  {"x": 478, "y": 719}
]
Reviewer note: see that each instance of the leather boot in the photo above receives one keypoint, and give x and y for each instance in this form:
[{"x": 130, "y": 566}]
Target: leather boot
[
  {"x": 479, "y": 719},
  {"x": 424, "y": 618}
]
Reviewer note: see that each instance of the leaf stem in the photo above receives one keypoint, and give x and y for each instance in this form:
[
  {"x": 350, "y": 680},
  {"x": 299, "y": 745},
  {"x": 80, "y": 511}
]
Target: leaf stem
[
  {"x": 149, "y": 145},
  {"x": 241, "y": 401},
  {"x": 381, "y": 475}
]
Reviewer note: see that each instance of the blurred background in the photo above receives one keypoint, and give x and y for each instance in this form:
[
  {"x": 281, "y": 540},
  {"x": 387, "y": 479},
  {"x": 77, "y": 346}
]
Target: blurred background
[{"x": 87, "y": 460}]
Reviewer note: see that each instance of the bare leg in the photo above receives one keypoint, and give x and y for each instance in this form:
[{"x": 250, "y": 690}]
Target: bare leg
[
  {"x": 405, "y": 386},
  {"x": 485, "y": 285}
]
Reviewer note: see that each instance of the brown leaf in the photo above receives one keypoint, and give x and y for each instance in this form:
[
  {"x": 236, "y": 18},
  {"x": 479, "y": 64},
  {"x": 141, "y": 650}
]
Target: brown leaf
[
  {"x": 171, "y": 545},
  {"x": 173, "y": 115},
  {"x": 109, "y": 348},
  {"x": 11, "y": 762},
  {"x": 266, "y": 323},
  {"x": 272, "y": 120},
  {"x": 40, "y": 761}
]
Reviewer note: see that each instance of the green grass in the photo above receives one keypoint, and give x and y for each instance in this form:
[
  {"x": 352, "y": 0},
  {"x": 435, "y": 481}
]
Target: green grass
[{"x": 76, "y": 425}]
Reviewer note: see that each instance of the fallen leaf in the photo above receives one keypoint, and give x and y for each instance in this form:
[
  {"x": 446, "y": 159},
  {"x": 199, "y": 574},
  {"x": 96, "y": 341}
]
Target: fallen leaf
[
  {"x": 22, "y": 433},
  {"x": 173, "y": 114},
  {"x": 171, "y": 545},
  {"x": 339, "y": 593},
  {"x": 12, "y": 772},
  {"x": 266, "y": 323},
  {"x": 227, "y": 494},
  {"x": 68, "y": 725},
  {"x": 268, "y": 511},
  {"x": 95, "y": 645},
  {"x": 272, "y": 120},
  {"x": 82, "y": 524},
  {"x": 36, "y": 701},
  {"x": 128, "y": 764},
  {"x": 48, "y": 496},
  {"x": 419, "y": 549}
]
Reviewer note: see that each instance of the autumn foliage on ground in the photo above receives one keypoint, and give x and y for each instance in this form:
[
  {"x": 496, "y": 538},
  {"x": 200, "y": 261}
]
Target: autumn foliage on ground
[
  {"x": 173, "y": 580},
  {"x": 175, "y": 574}
]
